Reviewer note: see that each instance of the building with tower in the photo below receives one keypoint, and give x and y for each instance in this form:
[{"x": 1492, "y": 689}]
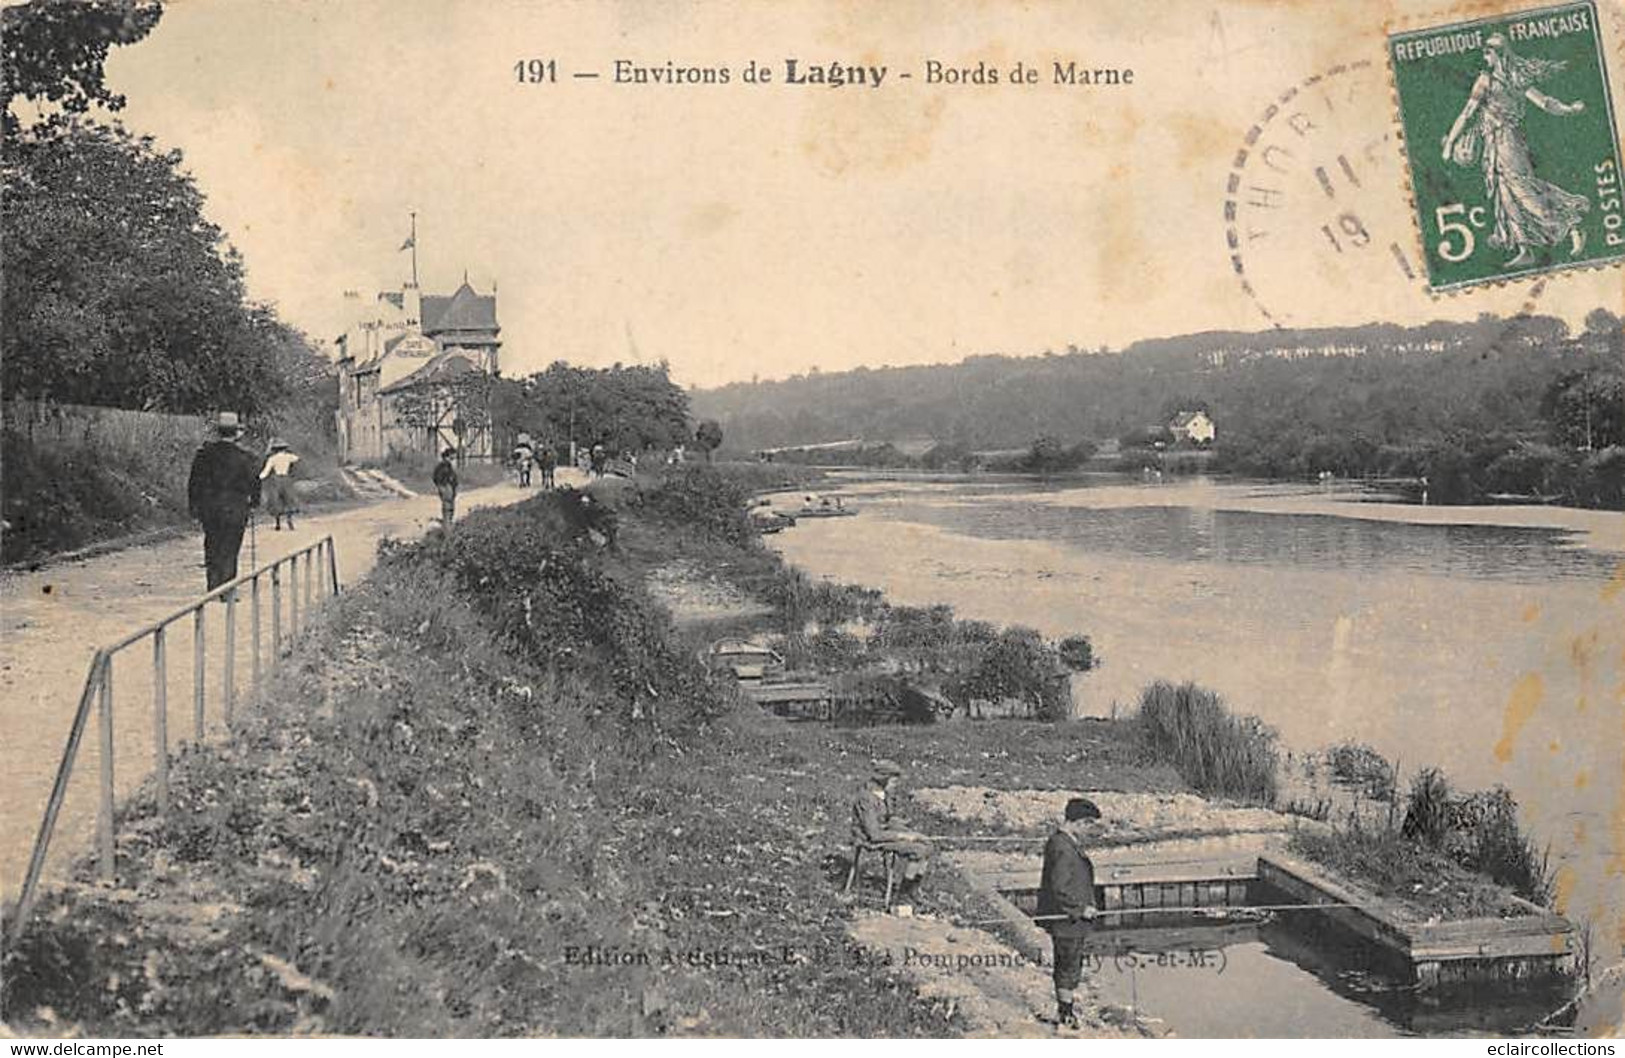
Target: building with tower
[{"x": 415, "y": 372}]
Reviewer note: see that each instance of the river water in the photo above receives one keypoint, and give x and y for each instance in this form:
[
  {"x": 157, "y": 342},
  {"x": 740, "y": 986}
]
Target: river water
[{"x": 1488, "y": 641}]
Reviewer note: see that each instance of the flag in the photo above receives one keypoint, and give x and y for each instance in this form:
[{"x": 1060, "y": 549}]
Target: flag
[{"x": 411, "y": 241}]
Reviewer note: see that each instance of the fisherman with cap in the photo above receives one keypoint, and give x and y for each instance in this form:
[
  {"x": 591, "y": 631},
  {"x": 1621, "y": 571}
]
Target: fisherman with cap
[
  {"x": 276, "y": 482},
  {"x": 871, "y": 828},
  {"x": 1066, "y": 898},
  {"x": 223, "y": 487}
]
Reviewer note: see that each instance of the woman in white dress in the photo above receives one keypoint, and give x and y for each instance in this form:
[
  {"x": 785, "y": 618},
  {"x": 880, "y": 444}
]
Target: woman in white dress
[
  {"x": 276, "y": 482},
  {"x": 1529, "y": 212}
]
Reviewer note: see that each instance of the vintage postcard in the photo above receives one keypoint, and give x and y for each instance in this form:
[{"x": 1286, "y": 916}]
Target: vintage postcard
[{"x": 812, "y": 520}]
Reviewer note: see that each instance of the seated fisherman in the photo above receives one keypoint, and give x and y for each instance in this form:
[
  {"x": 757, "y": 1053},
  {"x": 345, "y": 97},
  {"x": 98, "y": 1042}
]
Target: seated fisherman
[
  {"x": 1066, "y": 898},
  {"x": 871, "y": 826}
]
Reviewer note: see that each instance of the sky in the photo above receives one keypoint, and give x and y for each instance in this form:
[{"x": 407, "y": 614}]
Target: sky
[{"x": 747, "y": 230}]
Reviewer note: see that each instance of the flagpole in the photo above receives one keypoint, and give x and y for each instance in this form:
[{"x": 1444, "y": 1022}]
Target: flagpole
[{"x": 414, "y": 249}]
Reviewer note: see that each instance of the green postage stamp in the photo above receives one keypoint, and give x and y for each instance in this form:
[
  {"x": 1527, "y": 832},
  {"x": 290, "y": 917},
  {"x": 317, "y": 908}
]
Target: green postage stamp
[{"x": 1514, "y": 157}]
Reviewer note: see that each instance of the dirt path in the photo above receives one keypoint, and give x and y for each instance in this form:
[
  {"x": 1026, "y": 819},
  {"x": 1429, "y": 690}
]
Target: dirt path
[{"x": 52, "y": 620}]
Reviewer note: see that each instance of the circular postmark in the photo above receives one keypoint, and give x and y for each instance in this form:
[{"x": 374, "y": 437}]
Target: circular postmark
[{"x": 1315, "y": 197}]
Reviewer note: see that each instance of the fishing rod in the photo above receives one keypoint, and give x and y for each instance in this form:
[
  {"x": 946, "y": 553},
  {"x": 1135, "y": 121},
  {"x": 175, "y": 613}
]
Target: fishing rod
[
  {"x": 1098, "y": 850},
  {"x": 1207, "y": 910}
]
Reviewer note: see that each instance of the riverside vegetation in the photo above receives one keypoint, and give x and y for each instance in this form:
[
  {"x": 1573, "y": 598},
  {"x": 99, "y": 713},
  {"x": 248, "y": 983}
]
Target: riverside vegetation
[{"x": 495, "y": 793}]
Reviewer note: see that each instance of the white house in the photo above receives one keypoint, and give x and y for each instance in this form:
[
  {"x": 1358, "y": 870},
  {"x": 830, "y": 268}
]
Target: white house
[
  {"x": 1192, "y": 427},
  {"x": 396, "y": 365}
]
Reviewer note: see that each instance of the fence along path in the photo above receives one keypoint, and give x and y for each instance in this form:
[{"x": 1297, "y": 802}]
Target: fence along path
[
  {"x": 52, "y": 619},
  {"x": 164, "y": 683}
]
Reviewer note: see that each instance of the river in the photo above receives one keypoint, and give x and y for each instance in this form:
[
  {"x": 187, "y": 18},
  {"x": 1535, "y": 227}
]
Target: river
[{"x": 1488, "y": 641}]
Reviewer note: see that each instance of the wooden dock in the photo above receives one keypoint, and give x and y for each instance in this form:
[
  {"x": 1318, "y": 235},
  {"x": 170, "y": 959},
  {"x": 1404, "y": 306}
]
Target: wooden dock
[
  {"x": 1528, "y": 947},
  {"x": 1434, "y": 955}
]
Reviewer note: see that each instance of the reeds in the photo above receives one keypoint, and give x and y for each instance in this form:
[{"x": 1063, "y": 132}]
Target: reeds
[
  {"x": 1480, "y": 831},
  {"x": 1215, "y": 752}
]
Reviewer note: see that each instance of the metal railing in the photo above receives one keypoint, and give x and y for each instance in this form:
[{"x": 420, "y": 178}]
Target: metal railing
[{"x": 311, "y": 572}]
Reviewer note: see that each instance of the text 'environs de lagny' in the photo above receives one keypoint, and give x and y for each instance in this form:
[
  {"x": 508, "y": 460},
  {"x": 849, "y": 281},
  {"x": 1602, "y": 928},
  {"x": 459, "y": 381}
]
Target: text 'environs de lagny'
[{"x": 801, "y": 73}]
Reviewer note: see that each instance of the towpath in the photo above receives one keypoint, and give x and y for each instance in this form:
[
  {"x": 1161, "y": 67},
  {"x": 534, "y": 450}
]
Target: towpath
[{"x": 53, "y": 619}]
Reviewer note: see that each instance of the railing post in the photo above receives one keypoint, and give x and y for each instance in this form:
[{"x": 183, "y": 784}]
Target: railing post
[
  {"x": 310, "y": 580},
  {"x": 228, "y": 675},
  {"x": 276, "y": 611},
  {"x": 332, "y": 568},
  {"x": 59, "y": 793},
  {"x": 160, "y": 715},
  {"x": 293, "y": 596},
  {"x": 198, "y": 669},
  {"x": 254, "y": 624},
  {"x": 104, "y": 814}
]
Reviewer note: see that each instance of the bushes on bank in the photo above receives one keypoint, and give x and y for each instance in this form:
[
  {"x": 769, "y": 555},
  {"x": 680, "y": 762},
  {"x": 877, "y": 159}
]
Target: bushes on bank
[
  {"x": 529, "y": 570},
  {"x": 702, "y": 498},
  {"x": 1480, "y": 831},
  {"x": 1018, "y": 664},
  {"x": 1215, "y": 752}
]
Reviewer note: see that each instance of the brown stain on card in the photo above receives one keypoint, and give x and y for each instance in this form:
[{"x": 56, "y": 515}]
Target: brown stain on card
[
  {"x": 1199, "y": 139},
  {"x": 886, "y": 135},
  {"x": 710, "y": 218},
  {"x": 1615, "y": 585},
  {"x": 1525, "y": 699}
]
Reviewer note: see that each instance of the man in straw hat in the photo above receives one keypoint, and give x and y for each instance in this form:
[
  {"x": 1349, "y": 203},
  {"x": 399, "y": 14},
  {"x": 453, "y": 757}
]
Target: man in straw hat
[
  {"x": 871, "y": 826},
  {"x": 1067, "y": 891},
  {"x": 223, "y": 487}
]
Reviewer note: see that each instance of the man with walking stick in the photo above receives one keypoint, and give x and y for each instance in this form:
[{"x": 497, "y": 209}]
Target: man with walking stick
[{"x": 223, "y": 488}]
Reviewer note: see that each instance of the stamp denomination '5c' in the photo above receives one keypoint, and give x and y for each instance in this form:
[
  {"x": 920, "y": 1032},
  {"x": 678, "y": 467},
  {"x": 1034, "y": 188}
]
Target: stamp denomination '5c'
[{"x": 1513, "y": 152}]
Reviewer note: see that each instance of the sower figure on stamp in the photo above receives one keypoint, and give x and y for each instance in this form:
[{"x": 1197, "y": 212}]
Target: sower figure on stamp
[
  {"x": 1529, "y": 212},
  {"x": 871, "y": 827},
  {"x": 223, "y": 487},
  {"x": 445, "y": 483},
  {"x": 1068, "y": 889}
]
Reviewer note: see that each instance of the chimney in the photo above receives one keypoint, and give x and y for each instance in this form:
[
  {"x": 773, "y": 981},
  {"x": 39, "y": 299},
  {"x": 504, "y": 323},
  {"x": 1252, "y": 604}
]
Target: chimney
[{"x": 412, "y": 305}]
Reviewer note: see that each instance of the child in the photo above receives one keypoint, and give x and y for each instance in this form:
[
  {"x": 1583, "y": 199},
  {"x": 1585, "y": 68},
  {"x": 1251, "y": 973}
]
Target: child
[{"x": 445, "y": 483}]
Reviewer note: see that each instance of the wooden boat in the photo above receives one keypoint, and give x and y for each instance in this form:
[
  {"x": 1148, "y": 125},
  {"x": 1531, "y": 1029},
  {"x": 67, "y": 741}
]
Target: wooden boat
[{"x": 816, "y": 506}]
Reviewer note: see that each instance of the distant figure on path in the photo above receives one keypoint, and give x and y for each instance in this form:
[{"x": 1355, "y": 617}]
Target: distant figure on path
[
  {"x": 1067, "y": 891},
  {"x": 445, "y": 483},
  {"x": 223, "y": 487},
  {"x": 276, "y": 483},
  {"x": 598, "y": 459},
  {"x": 871, "y": 828},
  {"x": 524, "y": 457},
  {"x": 547, "y": 461}
]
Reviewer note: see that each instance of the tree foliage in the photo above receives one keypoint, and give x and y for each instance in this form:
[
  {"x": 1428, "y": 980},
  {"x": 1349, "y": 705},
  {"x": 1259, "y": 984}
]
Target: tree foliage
[
  {"x": 53, "y": 53},
  {"x": 708, "y": 435},
  {"x": 119, "y": 291},
  {"x": 1476, "y": 407},
  {"x": 624, "y": 408}
]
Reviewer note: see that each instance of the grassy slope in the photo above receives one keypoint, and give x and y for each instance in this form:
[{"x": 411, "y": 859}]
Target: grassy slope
[{"x": 73, "y": 492}]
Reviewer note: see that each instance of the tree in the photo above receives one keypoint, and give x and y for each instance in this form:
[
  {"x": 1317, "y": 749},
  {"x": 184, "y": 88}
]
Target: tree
[
  {"x": 708, "y": 435},
  {"x": 118, "y": 290},
  {"x": 1586, "y": 407},
  {"x": 54, "y": 51},
  {"x": 623, "y": 408},
  {"x": 1018, "y": 664}
]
